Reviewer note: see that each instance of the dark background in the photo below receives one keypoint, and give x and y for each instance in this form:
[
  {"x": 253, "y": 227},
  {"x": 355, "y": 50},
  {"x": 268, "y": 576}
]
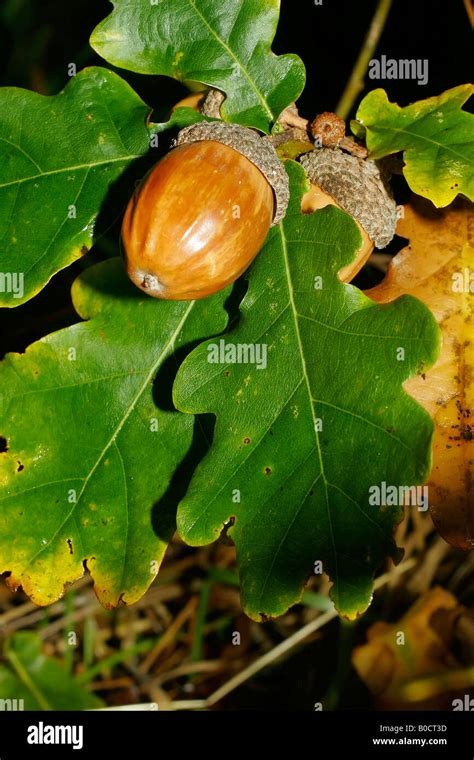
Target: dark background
[{"x": 39, "y": 39}]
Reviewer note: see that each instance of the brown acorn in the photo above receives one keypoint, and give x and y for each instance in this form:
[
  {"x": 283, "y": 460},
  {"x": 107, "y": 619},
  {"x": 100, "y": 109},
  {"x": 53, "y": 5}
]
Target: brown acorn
[{"x": 203, "y": 212}]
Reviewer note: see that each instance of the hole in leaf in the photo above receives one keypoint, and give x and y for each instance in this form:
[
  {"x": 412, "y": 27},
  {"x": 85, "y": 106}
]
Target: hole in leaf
[
  {"x": 223, "y": 536},
  {"x": 3, "y": 444},
  {"x": 84, "y": 564},
  {"x": 20, "y": 467},
  {"x": 69, "y": 543}
]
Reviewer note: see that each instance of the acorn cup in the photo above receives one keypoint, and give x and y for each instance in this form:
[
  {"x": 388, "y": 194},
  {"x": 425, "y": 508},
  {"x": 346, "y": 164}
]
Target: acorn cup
[{"x": 352, "y": 183}]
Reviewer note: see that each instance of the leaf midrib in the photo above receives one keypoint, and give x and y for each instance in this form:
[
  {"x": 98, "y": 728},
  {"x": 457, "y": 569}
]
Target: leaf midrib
[
  {"x": 447, "y": 148},
  {"x": 66, "y": 169},
  {"x": 233, "y": 56},
  {"x": 294, "y": 312}
]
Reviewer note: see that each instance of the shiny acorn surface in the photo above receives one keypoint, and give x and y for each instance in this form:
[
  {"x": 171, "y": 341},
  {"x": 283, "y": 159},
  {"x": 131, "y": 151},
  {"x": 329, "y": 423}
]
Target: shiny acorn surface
[{"x": 196, "y": 222}]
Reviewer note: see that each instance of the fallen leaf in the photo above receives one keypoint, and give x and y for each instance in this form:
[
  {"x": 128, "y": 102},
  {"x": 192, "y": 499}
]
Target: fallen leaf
[
  {"x": 397, "y": 658},
  {"x": 438, "y": 268}
]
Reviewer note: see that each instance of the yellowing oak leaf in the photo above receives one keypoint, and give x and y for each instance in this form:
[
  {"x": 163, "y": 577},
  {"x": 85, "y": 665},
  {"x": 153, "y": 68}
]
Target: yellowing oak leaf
[
  {"x": 435, "y": 136},
  {"x": 437, "y": 266}
]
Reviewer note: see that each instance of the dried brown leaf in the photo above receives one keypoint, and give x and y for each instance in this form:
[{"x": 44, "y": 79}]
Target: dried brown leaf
[{"x": 437, "y": 266}]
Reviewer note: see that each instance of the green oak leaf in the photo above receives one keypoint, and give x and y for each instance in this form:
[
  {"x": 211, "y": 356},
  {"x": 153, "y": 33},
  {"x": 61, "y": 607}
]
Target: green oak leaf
[
  {"x": 40, "y": 681},
  {"x": 180, "y": 118},
  {"x": 223, "y": 45},
  {"x": 436, "y": 135},
  {"x": 59, "y": 156},
  {"x": 91, "y": 452},
  {"x": 302, "y": 436}
]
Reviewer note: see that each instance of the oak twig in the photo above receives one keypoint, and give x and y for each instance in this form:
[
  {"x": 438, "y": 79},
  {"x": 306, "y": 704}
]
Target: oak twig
[{"x": 356, "y": 80}]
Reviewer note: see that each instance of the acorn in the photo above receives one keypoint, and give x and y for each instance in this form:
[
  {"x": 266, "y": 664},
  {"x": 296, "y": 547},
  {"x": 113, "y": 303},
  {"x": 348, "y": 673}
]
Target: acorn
[
  {"x": 201, "y": 215},
  {"x": 357, "y": 186}
]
